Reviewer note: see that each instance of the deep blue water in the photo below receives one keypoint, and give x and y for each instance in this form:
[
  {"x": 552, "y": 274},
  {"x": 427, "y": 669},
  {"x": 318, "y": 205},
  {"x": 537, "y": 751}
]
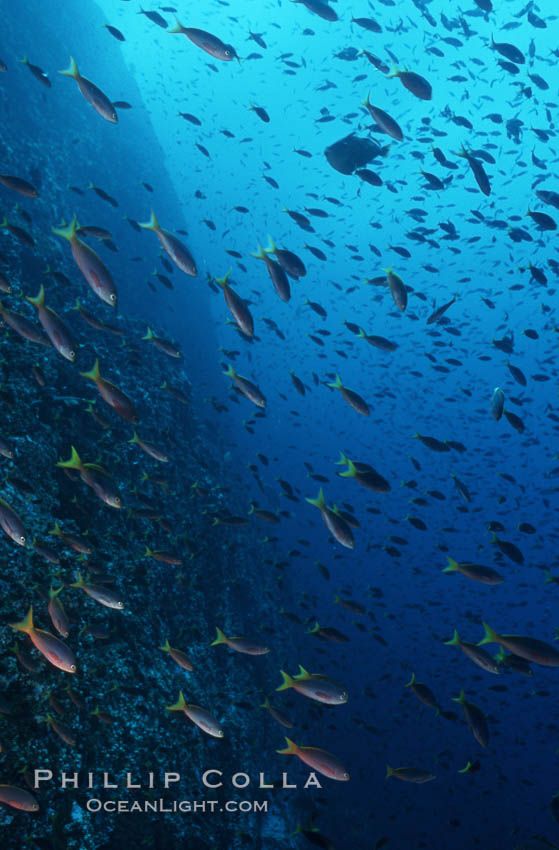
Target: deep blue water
[{"x": 455, "y": 242}]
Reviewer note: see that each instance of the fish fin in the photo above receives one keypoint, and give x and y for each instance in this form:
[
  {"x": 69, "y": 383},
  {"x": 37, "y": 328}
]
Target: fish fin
[
  {"x": 152, "y": 224},
  {"x": 291, "y": 749},
  {"x": 287, "y": 681},
  {"x": 74, "y": 462},
  {"x": 453, "y": 566},
  {"x": 180, "y": 705},
  {"x": 93, "y": 374},
  {"x": 177, "y": 28},
  {"x": 221, "y": 637},
  {"x": 222, "y": 281},
  {"x": 455, "y": 640},
  {"x": 68, "y": 231},
  {"x": 25, "y": 625},
  {"x": 39, "y": 300},
  {"x": 461, "y": 698},
  {"x": 319, "y": 501},
  {"x": 80, "y": 582},
  {"x": 350, "y": 472},
  {"x": 72, "y": 71},
  {"x": 490, "y": 636},
  {"x": 411, "y": 681},
  {"x": 337, "y": 385}
]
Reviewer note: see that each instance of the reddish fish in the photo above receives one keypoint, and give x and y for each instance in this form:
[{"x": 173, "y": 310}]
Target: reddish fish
[
  {"x": 90, "y": 264},
  {"x": 180, "y": 255},
  {"x": 48, "y": 645}
]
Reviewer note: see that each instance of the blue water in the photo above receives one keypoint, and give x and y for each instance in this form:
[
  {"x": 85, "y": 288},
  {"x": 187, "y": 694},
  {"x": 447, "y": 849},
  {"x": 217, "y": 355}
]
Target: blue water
[{"x": 438, "y": 382}]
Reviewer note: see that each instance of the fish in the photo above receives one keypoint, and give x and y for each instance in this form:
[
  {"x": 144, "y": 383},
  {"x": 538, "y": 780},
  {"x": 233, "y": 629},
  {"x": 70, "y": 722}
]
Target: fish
[
  {"x": 59, "y": 335},
  {"x": 201, "y": 717},
  {"x": 335, "y": 523},
  {"x": 410, "y": 774},
  {"x": 323, "y": 762},
  {"x": 173, "y": 247},
  {"x": 240, "y": 644},
  {"x": 51, "y": 647},
  {"x": 110, "y": 393},
  {"x": 90, "y": 264},
  {"x": 206, "y": 41},
  {"x": 94, "y": 96}
]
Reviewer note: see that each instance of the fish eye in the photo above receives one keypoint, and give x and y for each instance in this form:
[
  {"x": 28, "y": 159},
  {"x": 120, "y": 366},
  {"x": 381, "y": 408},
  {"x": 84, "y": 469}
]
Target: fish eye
[
  {"x": 345, "y": 775},
  {"x": 343, "y": 696},
  {"x": 72, "y": 354},
  {"x": 112, "y": 297},
  {"x": 22, "y": 539},
  {"x": 72, "y": 668}
]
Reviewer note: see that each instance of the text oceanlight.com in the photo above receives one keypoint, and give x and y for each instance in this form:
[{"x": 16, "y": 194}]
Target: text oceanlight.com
[{"x": 176, "y": 806}]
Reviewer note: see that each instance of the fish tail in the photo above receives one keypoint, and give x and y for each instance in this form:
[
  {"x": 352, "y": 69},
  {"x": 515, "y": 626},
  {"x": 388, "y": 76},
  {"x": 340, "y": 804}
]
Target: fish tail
[
  {"x": 266, "y": 703},
  {"x": 230, "y": 372},
  {"x": 135, "y": 438},
  {"x": 453, "y": 566},
  {"x": 39, "y": 300},
  {"x": 148, "y": 553},
  {"x": 25, "y": 625},
  {"x": 54, "y": 591},
  {"x": 411, "y": 681},
  {"x": 149, "y": 334},
  {"x": 389, "y": 771},
  {"x": 152, "y": 224},
  {"x": 221, "y": 637},
  {"x": 222, "y": 281},
  {"x": 80, "y": 582},
  {"x": 337, "y": 385},
  {"x": 260, "y": 253},
  {"x": 72, "y": 71},
  {"x": 350, "y": 472},
  {"x": 93, "y": 374},
  {"x": 455, "y": 641},
  {"x": 56, "y": 530},
  {"x": 73, "y": 463},
  {"x": 287, "y": 681},
  {"x": 461, "y": 698},
  {"x": 177, "y": 28},
  {"x": 291, "y": 749},
  {"x": 67, "y": 231},
  {"x": 177, "y": 706},
  {"x": 271, "y": 249},
  {"x": 319, "y": 501},
  {"x": 490, "y": 636},
  {"x": 165, "y": 647},
  {"x": 342, "y": 461}
]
